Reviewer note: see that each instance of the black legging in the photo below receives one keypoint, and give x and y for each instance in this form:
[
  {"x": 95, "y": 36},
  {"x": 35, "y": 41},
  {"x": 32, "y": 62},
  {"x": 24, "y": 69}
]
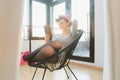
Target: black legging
[{"x": 31, "y": 56}]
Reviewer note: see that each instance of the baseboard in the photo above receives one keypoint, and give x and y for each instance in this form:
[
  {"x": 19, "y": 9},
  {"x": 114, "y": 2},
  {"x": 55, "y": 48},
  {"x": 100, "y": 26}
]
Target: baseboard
[{"x": 87, "y": 66}]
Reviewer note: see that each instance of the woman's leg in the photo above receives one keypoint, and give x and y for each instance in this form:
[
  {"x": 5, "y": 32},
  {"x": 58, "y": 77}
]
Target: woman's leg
[
  {"x": 44, "y": 53},
  {"x": 28, "y": 57},
  {"x": 57, "y": 45}
]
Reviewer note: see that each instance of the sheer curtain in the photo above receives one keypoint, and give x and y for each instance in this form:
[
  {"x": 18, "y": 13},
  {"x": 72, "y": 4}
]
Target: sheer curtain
[
  {"x": 10, "y": 34},
  {"x": 112, "y": 40}
]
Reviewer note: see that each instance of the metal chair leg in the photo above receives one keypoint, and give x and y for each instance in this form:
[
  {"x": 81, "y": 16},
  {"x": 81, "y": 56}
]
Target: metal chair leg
[
  {"x": 44, "y": 74},
  {"x": 72, "y": 72},
  {"x": 66, "y": 73},
  {"x": 34, "y": 73}
]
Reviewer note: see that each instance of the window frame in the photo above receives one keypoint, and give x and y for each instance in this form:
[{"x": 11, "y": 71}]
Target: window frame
[
  {"x": 92, "y": 50},
  {"x": 49, "y": 19}
]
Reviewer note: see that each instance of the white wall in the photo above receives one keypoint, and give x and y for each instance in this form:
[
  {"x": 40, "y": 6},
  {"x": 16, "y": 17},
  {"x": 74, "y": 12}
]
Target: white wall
[
  {"x": 99, "y": 35},
  {"x": 10, "y": 27}
]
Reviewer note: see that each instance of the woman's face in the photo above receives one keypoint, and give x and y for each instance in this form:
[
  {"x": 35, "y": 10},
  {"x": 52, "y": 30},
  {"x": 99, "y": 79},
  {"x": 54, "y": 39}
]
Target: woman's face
[{"x": 63, "y": 24}]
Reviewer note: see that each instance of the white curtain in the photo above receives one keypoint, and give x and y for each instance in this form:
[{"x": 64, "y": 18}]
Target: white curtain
[
  {"x": 10, "y": 34},
  {"x": 112, "y": 40}
]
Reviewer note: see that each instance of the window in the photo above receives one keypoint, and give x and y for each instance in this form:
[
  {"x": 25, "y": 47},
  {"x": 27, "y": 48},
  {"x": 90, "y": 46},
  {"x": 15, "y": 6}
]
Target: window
[
  {"x": 81, "y": 12},
  {"x": 38, "y": 19},
  {"x": 57, "y": 10},
  {"x": 44, "y": 12}
]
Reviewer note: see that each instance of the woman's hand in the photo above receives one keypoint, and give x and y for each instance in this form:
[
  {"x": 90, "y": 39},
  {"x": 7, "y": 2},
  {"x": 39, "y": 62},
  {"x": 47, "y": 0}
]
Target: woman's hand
[{"x": 48, "y": 37}]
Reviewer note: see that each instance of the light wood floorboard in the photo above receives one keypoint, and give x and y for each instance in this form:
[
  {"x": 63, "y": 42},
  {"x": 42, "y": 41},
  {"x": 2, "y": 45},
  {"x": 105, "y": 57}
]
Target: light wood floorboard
[{"x": 83, "y": 73}]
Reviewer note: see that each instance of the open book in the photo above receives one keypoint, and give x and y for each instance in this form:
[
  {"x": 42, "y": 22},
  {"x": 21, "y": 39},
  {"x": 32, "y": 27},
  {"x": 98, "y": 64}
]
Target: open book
[{"x": 48, "y": 30}]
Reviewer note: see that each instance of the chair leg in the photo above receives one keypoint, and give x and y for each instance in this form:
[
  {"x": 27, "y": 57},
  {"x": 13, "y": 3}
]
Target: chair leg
[
  {"x": 44, "y": 74},
  {"x": 66, "y": 73},
  {"x": 34, "y": 73},
  {"x": 72, "y": 72}
]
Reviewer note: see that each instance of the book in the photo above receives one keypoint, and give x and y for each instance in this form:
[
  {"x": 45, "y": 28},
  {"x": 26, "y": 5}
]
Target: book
[{"x": 47, "y": 30}]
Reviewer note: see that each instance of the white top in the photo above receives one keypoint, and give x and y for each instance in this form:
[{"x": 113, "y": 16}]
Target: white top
[
  {"x": 63, "y": 39},
  {"x": 69, "y": 37}
]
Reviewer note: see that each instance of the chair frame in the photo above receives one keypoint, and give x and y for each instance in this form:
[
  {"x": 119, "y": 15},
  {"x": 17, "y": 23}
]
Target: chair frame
[{"x": 64, "y": 64}]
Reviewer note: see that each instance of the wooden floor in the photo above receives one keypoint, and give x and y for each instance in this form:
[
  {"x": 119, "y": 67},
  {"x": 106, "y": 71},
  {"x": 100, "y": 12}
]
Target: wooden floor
[{"x": 82, "y": 73}]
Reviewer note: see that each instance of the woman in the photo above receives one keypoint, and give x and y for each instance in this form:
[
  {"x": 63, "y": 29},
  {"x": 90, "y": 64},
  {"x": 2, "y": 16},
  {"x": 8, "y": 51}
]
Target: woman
[{"x": 56, "y": 43}]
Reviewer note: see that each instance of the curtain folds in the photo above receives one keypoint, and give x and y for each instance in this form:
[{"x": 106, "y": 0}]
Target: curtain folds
[
  {"x": 112, "y": 40},
  {"x": 10, "y": 37}
]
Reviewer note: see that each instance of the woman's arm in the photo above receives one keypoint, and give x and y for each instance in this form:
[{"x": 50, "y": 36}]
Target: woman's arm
[{"x": 74, "y": 27}]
